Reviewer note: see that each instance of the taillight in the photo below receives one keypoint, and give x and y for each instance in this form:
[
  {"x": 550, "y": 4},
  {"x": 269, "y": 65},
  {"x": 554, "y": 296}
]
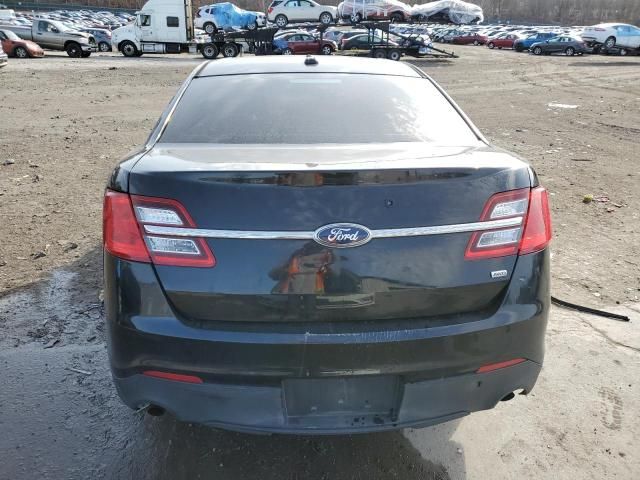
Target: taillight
[
  {"x": 125, "y": 217},
  {"x": 537, "y": 229},
  {"x": 529, "y": 205},
  {"x": 270, "y": 10}
]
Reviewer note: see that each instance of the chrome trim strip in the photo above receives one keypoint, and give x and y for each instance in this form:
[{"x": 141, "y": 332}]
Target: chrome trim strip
[{"x": 385, "y": 233}]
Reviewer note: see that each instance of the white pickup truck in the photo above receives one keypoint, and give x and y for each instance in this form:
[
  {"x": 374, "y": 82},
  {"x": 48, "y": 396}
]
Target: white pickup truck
[{"x": 56, "y": 36}]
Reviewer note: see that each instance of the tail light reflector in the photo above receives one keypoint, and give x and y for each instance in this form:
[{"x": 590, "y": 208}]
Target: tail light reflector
[
  {"x": 124, "y": 219},
  {"x": 497, "y": 366},
  {"x": 176, "y": 377}
]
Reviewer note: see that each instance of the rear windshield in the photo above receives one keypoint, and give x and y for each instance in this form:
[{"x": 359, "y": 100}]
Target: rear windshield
[{"x": 315, "y": 108}]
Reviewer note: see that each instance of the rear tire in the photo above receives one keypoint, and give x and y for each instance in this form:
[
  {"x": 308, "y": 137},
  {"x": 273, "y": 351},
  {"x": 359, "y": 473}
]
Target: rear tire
[
  {"x": 394, "y": 55},
  {"x": 281, "y": 21},
  {"x": 624, "y": 52},
  {"x": 610, "y": 42},
  {"x": 85, "y": 54},
  {"x": 74, "y": 50},
  {"x": 537, "y": 51},
  {"x": 287, "y": 51},
  {"x": 518, "y": 48},
  {"x": 570, "y": 51},
  {"x": 104, "y": 47},
  {"x": 476, "y": 43},
  {"x": 21, "y": 52},
  {"x": 491, "y": 45},
  {"x": 356, "y": 18},
  {"x": 326, "y": 18},
  {"x": 210, "y": 28},
  {"x": 129, "y": 49},
  {"x": 209, "y": 51},
  {"x": 379, "y": 53},
  {"x": 230, "y": 50},
  {"x": 326, "y": 50}
]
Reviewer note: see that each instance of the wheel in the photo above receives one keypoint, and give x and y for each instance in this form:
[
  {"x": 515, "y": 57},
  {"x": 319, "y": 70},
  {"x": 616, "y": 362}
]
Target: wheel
[
  {"x": 596, "y": 50},
  {"x": 104, "y": 47},
  {"x": 128, "y": 49},
  {"x": 379, "y": 54},
  {"x": 209, "y": 51},
  {"x": 252, "y": 26},
  {"x": 326, "y": 50},
  {"x": 518, "y": 48},
  {"x": 499, "y": 48},
  {"x": 287, "y": 51},
  {"x": 356, "y": 17},
  {"x": 230, "y": 50},
  {"x": 281, "y": 21},
  {"x": 624, "y": 51},
  {"x": 86, "y": 54},
  {"x": 491, "y": 45},
  {"x": 210, "y": 28},
  {"x": 394, "y": 55},
  {"x": 537, "y": 51},
  {"x": 73, "y": 50},
  {"x": 610, "y": 42},
  {"x": 396, "y": 17},
  {"x": 570, "y": 51},
  {"x": 476, "y": 43},
  {"x": 326, "y": 18},
  {"x": 20, "y": 52}
]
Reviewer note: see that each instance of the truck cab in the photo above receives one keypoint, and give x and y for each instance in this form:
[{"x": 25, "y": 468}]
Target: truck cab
[{"x": 161, "y": 26}]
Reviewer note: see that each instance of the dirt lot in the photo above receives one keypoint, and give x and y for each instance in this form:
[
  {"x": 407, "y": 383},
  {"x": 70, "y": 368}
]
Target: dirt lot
[{"x": 66, "y": 122}]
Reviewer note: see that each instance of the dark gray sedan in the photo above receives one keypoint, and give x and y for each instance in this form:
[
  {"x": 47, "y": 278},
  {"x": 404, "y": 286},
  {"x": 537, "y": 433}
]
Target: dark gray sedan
[
  {"x": 379, "y": 267},
  {"x": 562, "y": 44}
]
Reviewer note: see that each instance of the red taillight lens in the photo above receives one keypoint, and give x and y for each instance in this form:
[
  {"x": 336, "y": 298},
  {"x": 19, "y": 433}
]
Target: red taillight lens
[
  {"x": 270, "y": 10},
  {"x": 125, "y": 218},
  {"x": 176, "y": 377},
  {"x": 502, "y": 241},
  {"x": 531, "y": 235},
  {"x": 537, "y": 230},
  {"x": 121, "y": 234}
]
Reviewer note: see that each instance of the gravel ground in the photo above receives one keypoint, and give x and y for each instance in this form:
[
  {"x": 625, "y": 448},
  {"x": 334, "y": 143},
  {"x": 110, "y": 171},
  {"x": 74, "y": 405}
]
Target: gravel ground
[{"x": 65, "y": 124}]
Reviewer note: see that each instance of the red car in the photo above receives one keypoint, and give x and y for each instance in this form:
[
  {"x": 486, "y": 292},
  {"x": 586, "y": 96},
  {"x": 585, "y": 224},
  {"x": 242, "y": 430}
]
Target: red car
[
  {"x": 470, "y": 38},
  {"x": 503, "y": 41},
  {"x": 303, "y": 43},
  {"x": 14, "y": 46}
]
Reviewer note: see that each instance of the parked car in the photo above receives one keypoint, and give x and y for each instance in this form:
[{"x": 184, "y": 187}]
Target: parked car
[
  {"x": 448, "y": 11},
  {"x": 102, "y": 36},
  {"x": 3, "y": 57},
  {"x": 469, "y": 38},
  {"x": 522, "y": 44},
  {"x": 13, "y": 45},
  {"x": 561, "y": 44},
  {"x": 55, "y": 35},
  {"x": 612, "y": 34},
  {"x": 364, "y": 41},
  {"x": 282, "y": 12},
  {"x": 358, "y": 10},
  {"x": 320, "y": 300},
  {"x": 300, "y": 43},
  {"x": 225, "y": 15},
  {"x": 506, "y": 40}
]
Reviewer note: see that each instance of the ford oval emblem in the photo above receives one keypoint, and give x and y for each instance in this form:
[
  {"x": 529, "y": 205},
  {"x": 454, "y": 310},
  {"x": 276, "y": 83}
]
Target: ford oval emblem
[{"x": 342, "y": 235}]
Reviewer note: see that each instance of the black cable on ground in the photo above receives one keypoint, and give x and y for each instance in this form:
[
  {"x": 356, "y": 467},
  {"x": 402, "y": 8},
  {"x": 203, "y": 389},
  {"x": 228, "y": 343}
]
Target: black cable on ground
[{"x": 593, "y": 311}]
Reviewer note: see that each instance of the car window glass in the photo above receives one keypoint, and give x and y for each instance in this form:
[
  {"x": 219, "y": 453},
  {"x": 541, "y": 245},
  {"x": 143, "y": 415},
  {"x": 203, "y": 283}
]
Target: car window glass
[
  {"x": 173, "y": 22},
  {"x": 42, "y": 26},
  {"x": 304, "y": 3},
  {"x": 145, "y": 20},
  {"x": 2, "y": 36},
  {"x": 406, "y": 109}
]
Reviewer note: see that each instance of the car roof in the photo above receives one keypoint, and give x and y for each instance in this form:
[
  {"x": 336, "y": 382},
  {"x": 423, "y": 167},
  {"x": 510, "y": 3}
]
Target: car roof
[{"x": 296, "y": 64}]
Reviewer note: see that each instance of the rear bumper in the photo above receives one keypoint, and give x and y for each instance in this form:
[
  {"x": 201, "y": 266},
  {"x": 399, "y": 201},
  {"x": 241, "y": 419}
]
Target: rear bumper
[
  {"x": 252, "y": 408},
  {"x": 245, "y": 370}
]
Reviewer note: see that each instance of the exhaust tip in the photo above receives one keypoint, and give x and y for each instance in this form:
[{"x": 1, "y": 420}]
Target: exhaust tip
[
  {"x": 155, "y": 411},
  {"x": 508, "y": 396}
]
